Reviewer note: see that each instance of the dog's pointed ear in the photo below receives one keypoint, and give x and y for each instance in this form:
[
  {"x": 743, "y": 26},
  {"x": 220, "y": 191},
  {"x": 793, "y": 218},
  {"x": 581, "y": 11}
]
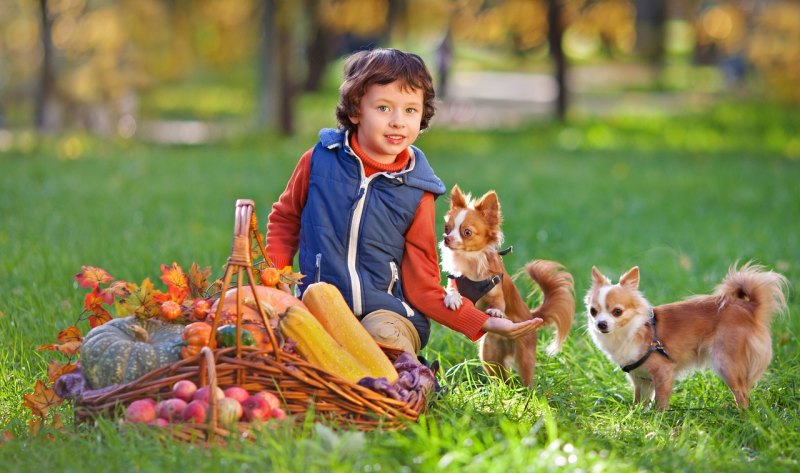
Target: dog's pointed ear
[
  {"x": 630, "y": 278},
  {"x": 598, "y": 278},
  {"x": 457, "y": 199},
  {"x": 489, "y": 207}
]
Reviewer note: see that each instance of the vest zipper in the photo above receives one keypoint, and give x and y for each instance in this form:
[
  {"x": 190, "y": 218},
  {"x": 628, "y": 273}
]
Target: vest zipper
[
  {"x": 396, "y": 279},
  {"x": 352, "y": 245}
]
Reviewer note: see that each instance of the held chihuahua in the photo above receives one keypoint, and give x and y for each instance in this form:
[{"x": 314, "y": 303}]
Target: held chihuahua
[
  {"x": 728, "y": 330},
  {"x": 472, "y": 257}
]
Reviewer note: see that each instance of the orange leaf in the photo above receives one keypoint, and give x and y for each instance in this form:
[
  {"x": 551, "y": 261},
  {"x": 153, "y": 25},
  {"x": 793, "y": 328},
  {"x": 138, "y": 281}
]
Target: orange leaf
[
  {"x": 92, "y": 277},
  {"x": 118, "y": 289},
  {"x": 41, "y": 400},
  {"x": 93, "y": 300},
  {"x": 99, "y": 317},
  {"x": 70, "y": 334},
  {"x": 57, "y": 369},
  {"x": 69, "y": 348},
  {"x": 176, "y": 281},
  {"x": 198, "y": 279}
]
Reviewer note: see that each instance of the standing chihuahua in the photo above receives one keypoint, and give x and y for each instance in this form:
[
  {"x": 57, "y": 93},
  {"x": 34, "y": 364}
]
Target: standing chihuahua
[
  {"x": 728, "y": 330},
  {"x": 471, "y": 256}
]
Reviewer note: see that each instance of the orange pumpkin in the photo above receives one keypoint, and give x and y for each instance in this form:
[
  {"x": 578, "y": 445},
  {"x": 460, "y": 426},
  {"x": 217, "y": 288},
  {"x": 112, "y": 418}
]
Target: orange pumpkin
[
  {"x": 196, "y": 336},
  {"x": 260, "y": 335},
  {"x": 274, "y": 301}
]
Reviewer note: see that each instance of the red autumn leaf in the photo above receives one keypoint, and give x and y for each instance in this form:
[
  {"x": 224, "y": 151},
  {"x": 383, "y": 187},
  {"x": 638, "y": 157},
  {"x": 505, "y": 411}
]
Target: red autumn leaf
[
  {"x": 57, "y": 369},
  {"x": 92, "y": 277},
  {"x": 160, "y": 297},
  {"x": 176, "y": 281},
  {"x": 198, "y": 279},
  {"x": 93, "y": 300},
  {"x": 41, "y": 399}
]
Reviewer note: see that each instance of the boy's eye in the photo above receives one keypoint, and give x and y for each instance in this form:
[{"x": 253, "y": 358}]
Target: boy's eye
[
  {"x": 411, "y": 110},
  {"x": 383, "y": 108},
  {"x": 593, "y": 311},
  {"x": 616, "y": 312}
]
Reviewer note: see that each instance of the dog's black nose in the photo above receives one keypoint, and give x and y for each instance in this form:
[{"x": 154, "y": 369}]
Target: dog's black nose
[{"x": 602, "y": 326}]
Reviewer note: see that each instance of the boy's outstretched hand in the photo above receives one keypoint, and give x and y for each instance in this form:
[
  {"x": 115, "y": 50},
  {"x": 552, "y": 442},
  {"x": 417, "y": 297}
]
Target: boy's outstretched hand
[{"x": 509, "y": 329}]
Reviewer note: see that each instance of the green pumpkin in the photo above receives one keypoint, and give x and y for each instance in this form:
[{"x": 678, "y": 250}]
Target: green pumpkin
[
  {"x": 123, "y": 349},
  {"x": 226, "y": 337}
]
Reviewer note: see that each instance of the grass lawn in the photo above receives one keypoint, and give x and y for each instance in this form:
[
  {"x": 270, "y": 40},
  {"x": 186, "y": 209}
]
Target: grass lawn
[{"x": 682, "y": 197}]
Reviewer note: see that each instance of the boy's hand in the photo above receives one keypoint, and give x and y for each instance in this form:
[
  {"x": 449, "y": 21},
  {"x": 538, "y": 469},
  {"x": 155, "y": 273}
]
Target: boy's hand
[{"x": 508, "y": 329}]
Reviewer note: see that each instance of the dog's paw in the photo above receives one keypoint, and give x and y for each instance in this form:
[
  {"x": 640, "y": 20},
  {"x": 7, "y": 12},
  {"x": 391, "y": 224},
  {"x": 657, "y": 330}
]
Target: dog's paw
[
  {"x": 453, "y": 299},
  {"x": 496, "y": 313}
]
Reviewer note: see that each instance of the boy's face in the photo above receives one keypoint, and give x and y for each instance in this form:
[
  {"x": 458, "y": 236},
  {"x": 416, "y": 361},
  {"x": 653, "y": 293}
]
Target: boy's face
[{"x": 388, "y": 120}]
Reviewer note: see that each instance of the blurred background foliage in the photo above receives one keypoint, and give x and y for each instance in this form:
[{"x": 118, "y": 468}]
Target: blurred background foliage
[{"x": 184, "y": 68}]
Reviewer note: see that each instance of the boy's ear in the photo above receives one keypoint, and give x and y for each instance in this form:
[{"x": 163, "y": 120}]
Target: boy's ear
[
  {"x": 489, "y": 207},
  {"x": 457, "y": 199},
  {"x": 630, "y": 278},
  {"x": 354, "y": 120}
]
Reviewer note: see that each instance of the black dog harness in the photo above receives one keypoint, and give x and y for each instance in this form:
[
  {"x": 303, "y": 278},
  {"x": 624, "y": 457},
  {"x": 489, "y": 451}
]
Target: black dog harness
[
  {"x": 474, "y": 290},
  {"x": 655, "y": 345}
]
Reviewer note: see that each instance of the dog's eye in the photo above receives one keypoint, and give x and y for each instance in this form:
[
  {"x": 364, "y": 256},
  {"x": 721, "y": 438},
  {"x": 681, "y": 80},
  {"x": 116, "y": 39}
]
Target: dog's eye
[
  {"x": 593, "y": 311},
  {"x": 467, "y": 232},
  {"x": 447, "y": 229},
  {"x": 616, "y": 312}
]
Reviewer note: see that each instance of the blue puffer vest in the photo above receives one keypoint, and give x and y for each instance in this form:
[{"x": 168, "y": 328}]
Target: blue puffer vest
[{"x": 353, "y": 228}]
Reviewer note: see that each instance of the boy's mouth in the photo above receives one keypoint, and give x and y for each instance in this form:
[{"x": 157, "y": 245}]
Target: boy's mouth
[{"x": 395, "y": 139}]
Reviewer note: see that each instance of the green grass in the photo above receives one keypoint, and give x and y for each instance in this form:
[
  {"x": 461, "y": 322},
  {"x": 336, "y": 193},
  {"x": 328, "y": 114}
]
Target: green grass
[{"x": 682, "y": 197}]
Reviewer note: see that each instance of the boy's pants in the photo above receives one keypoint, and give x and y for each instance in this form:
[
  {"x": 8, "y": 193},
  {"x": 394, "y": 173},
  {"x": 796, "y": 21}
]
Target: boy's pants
[{"x": 391, "y": 328}]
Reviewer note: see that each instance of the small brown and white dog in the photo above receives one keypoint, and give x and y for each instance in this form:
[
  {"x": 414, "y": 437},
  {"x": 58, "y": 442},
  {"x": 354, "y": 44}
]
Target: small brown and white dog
[
  {"x": 728, "y": 330},
  {"x": 471, "y": 255}
]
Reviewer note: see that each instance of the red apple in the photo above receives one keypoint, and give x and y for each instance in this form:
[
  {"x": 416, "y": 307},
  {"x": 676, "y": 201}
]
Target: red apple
[
  {"x": 195, "y": 411},
  {"x": 237, "y": 392},
  {"x": 171, "y": 409},
  {"x": 229, "y": 411},
  {"x": 271, "y": 399},
  {"x": 278, "y": 413},
  {"x": 202, "y": 394},
  {"x": 184, "y": 389},
  {"x": 142, "y": 411},
  {"x": 159, "y": 422},
  {"x": 256, "y": 409}
]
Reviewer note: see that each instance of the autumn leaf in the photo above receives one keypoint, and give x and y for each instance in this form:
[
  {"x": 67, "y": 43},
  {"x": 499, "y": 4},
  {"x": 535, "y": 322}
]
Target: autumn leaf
[
  {"x": 41, "y": 399},
  {"x": 70, "y": 334},
  {"x": 198, "y": 279},
  {"x": 57, "y": 369},
  {"x": 140, "y": 302},
  {"x": 92, "y": 277},
  {"x": 176, "y": 281},
  {"x": 93, "y": 303}
]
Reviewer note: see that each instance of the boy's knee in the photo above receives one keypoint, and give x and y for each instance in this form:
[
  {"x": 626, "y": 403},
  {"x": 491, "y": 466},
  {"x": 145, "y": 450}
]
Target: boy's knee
[{"x": 392, "y": 329}]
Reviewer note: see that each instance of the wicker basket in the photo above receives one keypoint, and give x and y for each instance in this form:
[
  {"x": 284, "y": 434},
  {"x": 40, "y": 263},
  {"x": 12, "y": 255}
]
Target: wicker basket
[{"x": 304, "y": 389}]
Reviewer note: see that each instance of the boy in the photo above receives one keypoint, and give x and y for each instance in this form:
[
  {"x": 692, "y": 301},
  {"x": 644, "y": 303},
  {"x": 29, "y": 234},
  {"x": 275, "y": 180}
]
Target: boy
[{"x": 360, "y": 208}]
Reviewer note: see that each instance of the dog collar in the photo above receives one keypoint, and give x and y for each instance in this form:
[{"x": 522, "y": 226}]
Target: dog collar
[
  {"x": 474, "y": 290},
  {"x": 655, "y": 345}
]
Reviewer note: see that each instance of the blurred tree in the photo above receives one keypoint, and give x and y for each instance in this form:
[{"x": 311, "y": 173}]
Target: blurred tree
[
  {"x": 555, "y": 37},
  {"x": 320, "y": 49},
  {"x": 46, "y": 90}
]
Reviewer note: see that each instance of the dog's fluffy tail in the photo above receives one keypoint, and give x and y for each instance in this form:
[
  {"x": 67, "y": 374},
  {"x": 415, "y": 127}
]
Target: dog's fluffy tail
[
  {"x": 753, "y": 283},
  {"x": 558, "y": 301}
]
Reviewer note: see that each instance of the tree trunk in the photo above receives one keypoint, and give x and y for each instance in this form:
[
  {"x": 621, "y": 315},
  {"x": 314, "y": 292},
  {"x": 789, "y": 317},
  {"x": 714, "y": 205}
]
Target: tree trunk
[
  {"x": 555, "y": 35},
  {"x": 319, "y": 47},
  {"x": 267, "y": 112},
  {"x": 45, "y": 92}
]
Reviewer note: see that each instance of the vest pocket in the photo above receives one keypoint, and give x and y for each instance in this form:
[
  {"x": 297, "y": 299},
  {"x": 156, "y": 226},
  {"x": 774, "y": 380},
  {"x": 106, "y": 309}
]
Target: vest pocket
[{"x": 395, "y": 282}]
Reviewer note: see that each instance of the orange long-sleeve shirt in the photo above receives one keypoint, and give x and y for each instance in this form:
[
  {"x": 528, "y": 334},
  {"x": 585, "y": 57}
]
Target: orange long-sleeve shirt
[{"x": 420, "y": 266}]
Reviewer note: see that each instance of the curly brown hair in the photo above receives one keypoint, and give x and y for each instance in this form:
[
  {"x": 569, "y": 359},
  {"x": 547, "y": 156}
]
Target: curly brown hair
[{"x": 382, "y": 66}]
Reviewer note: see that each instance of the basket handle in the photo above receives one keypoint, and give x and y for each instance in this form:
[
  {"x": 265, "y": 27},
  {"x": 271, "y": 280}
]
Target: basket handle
[{"x": 241, "y": 262}]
